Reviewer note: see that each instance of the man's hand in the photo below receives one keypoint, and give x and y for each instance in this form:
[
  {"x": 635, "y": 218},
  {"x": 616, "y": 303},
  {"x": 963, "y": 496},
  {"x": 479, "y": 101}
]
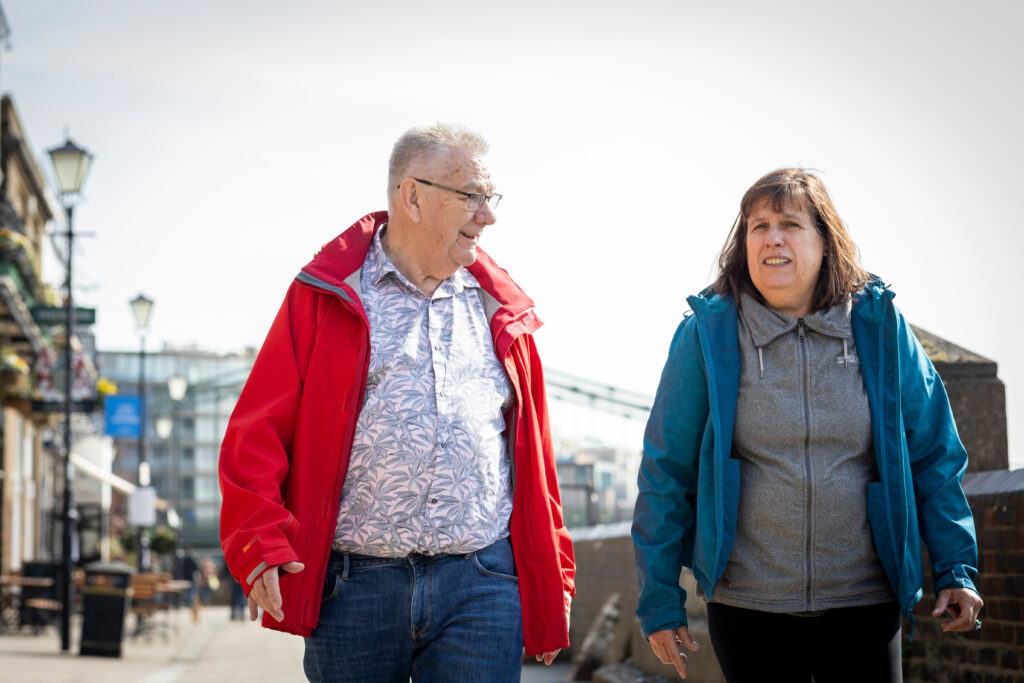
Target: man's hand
[
  {"x": 962, "y": 604},
  {"x": 548, "y": 657},
  {"x": 666, "y": 645},
  {"x": 266, "y": 592}
]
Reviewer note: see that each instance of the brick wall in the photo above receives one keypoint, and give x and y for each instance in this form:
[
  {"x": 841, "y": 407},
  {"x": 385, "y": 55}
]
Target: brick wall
[{"x": 995, "y": 654}]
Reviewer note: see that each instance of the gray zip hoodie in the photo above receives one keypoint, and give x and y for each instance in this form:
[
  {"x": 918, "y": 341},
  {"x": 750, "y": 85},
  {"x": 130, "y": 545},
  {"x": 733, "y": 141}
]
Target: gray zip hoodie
[{"x": 803, "y": 438}]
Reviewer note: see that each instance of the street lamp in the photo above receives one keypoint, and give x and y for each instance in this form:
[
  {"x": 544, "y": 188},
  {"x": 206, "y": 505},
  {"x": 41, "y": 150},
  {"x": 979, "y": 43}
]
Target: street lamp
[
  {"x": 71, "y": 166},
  {"x": 164, "y": 425},
  {"x": 142, "y": 306},
  {"x": 177, "y": 387}
]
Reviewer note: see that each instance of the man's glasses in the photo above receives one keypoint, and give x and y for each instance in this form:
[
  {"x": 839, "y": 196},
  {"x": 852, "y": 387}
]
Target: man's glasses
[{"x": 474, "y": 200}]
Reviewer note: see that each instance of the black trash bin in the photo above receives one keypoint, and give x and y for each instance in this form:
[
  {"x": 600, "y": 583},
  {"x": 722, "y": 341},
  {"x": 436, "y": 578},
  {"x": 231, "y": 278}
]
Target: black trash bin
[{"x": 105, "y": 598}]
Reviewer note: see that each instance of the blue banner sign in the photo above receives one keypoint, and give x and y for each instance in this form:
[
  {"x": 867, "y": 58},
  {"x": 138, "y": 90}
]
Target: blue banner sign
[{"x": 124, "y": 416}]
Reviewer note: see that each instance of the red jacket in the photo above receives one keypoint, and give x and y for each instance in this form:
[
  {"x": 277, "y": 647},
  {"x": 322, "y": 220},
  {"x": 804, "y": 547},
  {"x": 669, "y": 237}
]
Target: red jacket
[{"x": 287, "y": 445}]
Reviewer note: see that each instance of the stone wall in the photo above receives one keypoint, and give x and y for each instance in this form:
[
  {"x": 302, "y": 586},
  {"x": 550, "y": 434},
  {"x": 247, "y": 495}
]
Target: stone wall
[
  {"x": 977, "y": 397},
  {"x": 605, "y": 565}
]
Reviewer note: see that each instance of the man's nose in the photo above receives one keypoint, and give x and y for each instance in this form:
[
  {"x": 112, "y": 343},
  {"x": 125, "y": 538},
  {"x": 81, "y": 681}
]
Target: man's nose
[{"x": 485, "y": 214}]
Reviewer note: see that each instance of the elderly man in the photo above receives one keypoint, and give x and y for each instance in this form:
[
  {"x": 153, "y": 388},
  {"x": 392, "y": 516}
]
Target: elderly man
[{"x": 388, "y": 478}]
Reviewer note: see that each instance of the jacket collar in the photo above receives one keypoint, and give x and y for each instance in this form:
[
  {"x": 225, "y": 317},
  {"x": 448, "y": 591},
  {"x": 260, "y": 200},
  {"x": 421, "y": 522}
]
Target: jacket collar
[
  {"x": 873, "y": 301},
  {"x": 708, "y": 303},
  {"x": 336, "y": 268}
]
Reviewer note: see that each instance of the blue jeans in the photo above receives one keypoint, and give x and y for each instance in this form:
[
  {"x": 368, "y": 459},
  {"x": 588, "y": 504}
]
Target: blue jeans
[{"x": 441, "y": 618}]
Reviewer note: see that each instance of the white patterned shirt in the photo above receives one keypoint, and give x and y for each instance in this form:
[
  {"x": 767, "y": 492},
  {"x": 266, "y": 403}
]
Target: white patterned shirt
[{"x": 429, "y": 471}]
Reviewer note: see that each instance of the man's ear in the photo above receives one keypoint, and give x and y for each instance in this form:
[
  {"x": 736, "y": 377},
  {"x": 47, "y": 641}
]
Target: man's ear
[{"x": 409, "y": 199}]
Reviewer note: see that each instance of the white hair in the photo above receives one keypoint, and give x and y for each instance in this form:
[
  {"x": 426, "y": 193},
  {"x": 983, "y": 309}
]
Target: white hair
[{"x": 427, "y": 143}]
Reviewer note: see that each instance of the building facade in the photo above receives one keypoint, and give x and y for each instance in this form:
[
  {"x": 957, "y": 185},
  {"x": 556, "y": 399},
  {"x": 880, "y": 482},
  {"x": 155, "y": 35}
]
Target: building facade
[
  {"x": 28, "y": 476},
  {"x": 183, "y": 465}
]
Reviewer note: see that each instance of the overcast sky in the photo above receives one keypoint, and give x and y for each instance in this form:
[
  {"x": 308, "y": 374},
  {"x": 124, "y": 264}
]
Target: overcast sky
[{"x": 233, "y": 138}]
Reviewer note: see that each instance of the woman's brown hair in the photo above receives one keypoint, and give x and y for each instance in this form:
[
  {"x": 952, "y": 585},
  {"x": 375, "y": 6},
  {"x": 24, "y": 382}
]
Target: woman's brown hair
[{"x": 841, "y": 273}]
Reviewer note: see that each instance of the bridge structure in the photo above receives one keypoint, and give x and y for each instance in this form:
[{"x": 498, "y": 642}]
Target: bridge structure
[{"x": 597, "y": 430}]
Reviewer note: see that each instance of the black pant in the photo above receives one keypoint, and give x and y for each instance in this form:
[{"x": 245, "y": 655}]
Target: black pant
[{"x": 844, "y": 644}]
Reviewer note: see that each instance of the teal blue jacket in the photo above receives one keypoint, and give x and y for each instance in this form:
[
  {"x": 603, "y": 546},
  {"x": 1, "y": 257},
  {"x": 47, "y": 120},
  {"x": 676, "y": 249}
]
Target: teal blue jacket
[{"x": 689, "y": 482}]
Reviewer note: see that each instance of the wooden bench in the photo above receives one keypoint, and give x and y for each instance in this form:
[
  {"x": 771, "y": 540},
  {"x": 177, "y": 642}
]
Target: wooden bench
[{"x": 147, "y": 602}]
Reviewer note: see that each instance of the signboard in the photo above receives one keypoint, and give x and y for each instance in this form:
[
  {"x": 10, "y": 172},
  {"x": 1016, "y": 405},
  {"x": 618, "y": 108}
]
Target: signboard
[
  {"x": 142, "y": 506},
  {"x": 54, "y": 315},
  {"x": 124, "y": 416},
  {"x": 86, "y": 406}
]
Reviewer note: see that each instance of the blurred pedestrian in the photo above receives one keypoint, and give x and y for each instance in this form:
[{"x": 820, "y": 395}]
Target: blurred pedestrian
[
  {"x": 370, "y": 458},
  {"x": 238, "y": 601},
  {"x": 209, "y": 581},
  {"x": 190, "y": 572},
  {"x": 800, "y": 448}
]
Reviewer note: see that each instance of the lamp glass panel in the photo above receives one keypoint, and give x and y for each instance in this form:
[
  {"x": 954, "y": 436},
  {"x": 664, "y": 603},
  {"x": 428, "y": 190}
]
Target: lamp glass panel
[
  {"x": 164, "y": 426},
  {"x": 142, "y": 306},
  {"x": 176, "y": 387},
  {"x": 71, "y": 166}
]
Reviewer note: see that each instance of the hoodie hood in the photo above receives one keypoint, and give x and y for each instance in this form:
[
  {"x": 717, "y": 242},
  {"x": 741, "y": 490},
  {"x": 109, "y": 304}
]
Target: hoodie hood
[{"x": 766, "y": 324}]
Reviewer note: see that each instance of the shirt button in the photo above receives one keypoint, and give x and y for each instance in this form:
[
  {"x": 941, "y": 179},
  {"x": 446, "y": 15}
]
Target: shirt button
[
  {"x": 437, "y": 347},
  {"x": 433, "y": 500}
]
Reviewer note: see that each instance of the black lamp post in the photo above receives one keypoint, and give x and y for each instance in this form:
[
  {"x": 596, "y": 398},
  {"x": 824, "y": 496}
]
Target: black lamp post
[
  {"x": 71, "y": 166},
  {"x": 142, "y": 306}
]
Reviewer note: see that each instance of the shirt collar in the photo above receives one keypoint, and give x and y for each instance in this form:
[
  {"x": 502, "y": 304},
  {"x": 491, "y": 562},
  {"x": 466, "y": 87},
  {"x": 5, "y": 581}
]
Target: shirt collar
[{"x": 378, "y": 266}]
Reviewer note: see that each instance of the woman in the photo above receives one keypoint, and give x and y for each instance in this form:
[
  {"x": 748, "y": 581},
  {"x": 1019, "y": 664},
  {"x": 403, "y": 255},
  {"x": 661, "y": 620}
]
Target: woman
[{"x": 799, "y": 449}]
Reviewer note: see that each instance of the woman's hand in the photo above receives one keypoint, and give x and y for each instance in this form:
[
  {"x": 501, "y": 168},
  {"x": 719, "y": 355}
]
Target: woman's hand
[
  {"x": 962, "y": 604},
  {"x": 666, "y": 645}
]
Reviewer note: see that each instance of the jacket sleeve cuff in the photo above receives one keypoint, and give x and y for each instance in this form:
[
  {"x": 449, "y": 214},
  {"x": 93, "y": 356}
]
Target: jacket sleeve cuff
[
  {"x": 259, "y": 565},
  {"x": 669, "y": 619},
  {"x": 956, "y": 577}
]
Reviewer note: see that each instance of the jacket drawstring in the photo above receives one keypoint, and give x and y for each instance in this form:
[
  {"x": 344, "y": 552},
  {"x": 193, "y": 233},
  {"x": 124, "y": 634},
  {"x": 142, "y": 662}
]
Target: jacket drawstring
[
  {"x": 846, "y": 360},
  {"x": 760, "y": 361}
]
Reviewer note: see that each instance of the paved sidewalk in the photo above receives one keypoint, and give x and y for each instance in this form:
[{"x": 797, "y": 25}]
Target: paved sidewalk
[{"x": 214, "y": 650}]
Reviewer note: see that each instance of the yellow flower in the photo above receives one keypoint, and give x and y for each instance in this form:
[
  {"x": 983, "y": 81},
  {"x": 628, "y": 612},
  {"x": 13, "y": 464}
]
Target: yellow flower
[{"x": 104, "y": 387}]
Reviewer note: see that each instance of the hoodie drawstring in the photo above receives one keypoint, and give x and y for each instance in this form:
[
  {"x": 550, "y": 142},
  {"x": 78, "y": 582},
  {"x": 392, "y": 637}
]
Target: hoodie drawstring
[
  {"x": 846, "y": 360},
  {"x": 760, "y": 361}
]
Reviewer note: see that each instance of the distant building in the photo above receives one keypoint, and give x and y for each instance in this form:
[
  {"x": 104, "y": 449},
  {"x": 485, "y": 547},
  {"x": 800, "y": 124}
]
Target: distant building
[
  {"x": 597, "y": 482},
  {"x": 198, "y": 423},
  {"x": 27, "y": 476}
]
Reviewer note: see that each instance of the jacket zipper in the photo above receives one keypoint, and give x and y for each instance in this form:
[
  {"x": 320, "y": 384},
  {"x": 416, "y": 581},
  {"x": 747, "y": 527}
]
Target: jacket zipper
[{"x": 808, "y": 487}]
